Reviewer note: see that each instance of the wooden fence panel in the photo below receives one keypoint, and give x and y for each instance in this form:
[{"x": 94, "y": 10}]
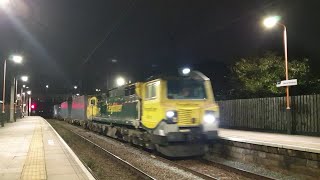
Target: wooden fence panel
[
  {"x": 269, "y": 114},
  {"x": 318, "y": 111}
]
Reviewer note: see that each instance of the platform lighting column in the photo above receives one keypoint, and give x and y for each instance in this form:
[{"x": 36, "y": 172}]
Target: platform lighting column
[
  {"x": 21, "y": 99},
  {"x": 16, "y": 96},
  {"x": 4, "y": 85},
  {"x": 12, "y": 100},
  {"x": 29, "y": 105},
  {"x": 270, "y": 22},
  {"x": 18, "y": 60}
]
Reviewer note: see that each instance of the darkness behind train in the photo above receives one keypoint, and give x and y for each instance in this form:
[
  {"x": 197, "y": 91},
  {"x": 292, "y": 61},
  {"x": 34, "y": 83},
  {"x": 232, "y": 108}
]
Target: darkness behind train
[{"x": 43, "y": 105}]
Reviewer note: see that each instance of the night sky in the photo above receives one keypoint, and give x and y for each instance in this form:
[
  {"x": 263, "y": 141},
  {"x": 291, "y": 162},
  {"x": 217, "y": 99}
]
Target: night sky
[{"x": 68, "y": 42}]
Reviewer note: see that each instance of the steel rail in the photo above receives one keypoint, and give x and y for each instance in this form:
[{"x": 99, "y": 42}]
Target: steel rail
[{"x": 176, "y": 164}]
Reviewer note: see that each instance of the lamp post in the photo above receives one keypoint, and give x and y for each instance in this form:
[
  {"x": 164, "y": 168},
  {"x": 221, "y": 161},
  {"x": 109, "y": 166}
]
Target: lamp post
[
  {"x": 23, "y": 95},
  {"x": 4, "y": 85},
  {"x": 23, "y": 98},
  {"x": 16, "y": 96},
  {"x": 29, "y": 102},
  {"x": 270, "y": 22},
  {"x": 18, "y": 60},
  {"x": 13, "y": 96}
]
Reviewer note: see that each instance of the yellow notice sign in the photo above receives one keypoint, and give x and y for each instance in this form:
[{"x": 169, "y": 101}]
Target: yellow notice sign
[{"x": 115, "y": 108}]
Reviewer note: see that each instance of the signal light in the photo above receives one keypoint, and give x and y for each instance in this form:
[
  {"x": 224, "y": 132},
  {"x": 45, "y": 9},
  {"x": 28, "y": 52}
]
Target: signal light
[{"x": 32, "y": 106}]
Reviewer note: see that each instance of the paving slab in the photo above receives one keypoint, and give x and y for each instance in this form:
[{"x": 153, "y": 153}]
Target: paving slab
[{"x": 31, "y": 149}]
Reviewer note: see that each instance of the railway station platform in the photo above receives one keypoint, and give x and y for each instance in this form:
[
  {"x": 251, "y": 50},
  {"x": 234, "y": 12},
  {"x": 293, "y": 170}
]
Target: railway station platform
[
  {"x": 281, "y": 153},
  {"x": 31, "y": 149},
  {"x": 293, "y": 142}
]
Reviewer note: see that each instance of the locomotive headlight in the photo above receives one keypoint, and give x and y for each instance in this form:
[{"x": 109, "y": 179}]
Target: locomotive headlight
[
  {"x": 209, "y": 117},
  {"x": 171, "y": 114}
]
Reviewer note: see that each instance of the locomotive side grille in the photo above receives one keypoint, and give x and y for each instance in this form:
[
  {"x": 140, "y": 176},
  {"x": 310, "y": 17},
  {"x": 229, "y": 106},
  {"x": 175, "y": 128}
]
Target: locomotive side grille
[{"x": 185, "y": 117}]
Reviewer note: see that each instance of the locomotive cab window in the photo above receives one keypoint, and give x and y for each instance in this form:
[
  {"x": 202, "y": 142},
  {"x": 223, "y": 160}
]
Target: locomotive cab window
[
  {"x": 93, "y": 102},
  {"x": 151, "y": 91},
  {"x": 186, "y": 89}
]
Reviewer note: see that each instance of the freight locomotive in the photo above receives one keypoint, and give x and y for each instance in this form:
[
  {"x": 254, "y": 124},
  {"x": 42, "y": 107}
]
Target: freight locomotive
[{"x": 174, "y": 115}]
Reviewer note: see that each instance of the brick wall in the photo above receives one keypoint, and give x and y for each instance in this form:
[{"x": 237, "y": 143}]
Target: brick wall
[{"x": 272, "y": 158}]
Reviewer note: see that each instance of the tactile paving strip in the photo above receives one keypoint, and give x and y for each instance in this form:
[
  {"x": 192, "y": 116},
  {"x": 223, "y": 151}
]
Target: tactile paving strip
[{"x": 35, "y": 165}]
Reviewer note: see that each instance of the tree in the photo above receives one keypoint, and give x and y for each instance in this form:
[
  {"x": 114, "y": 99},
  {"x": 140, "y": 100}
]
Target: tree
[{"x": 259, "y": 75}]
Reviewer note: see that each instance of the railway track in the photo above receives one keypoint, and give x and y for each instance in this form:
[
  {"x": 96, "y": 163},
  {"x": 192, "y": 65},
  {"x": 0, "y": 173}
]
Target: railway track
[
  {"x": 134, "y": 169},
  {"x": 237, "y": 170},
  {"x": 180, "y": 164},
  {"x": 138, "y": 171},
  {"x": 202, "y": 162},
  {"x": 207, "y": 176}
]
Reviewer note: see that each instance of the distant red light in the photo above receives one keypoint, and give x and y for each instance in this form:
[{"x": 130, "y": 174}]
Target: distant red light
[{"x": 32, "y": 106}]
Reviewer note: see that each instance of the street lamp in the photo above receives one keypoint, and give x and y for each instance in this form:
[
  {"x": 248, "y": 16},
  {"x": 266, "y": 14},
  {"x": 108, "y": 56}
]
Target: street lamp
[
  {"x": 47, "y": 86},
  {"x": 16, "y": 59},
  {"x": 29, "y": 92},
  {"x": 186, "y": 71},
  {"x": 75, "y": 87},
  {"x": 24, "y": 78},
  {"x": 120, "y": 81},
  {"x": 271, "y": 22}
]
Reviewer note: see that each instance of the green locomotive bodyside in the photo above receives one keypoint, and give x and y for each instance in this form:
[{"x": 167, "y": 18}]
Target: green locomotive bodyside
[{"x": 119, "y": 108}]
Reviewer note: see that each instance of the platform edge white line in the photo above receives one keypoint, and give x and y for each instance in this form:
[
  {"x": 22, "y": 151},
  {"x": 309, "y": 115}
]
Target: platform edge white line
[{"x": 84, "y": 169}]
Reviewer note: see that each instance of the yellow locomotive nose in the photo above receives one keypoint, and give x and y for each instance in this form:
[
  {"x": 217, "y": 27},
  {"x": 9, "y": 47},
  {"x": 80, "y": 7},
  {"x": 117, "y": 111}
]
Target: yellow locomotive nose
[{"x": 188, "y": 117}]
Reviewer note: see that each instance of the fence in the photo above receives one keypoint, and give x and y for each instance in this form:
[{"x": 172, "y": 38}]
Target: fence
[{"x": 269, "y": 114}]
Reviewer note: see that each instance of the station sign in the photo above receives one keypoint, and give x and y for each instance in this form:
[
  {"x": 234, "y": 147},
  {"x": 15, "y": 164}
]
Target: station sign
[{"x": 290, "y": 82}]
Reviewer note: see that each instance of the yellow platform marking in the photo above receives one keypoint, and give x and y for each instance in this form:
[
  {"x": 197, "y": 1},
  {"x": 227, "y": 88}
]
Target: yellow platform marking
[{"x": 35, "y": 165}]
